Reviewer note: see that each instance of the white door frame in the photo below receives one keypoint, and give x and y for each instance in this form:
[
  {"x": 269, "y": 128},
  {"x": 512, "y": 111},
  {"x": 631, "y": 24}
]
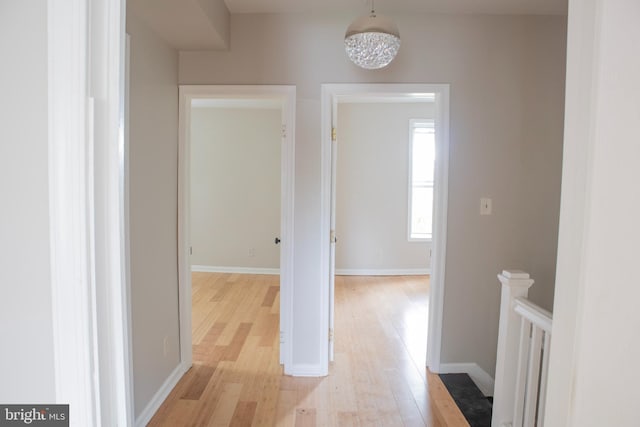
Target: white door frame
[
  {"x": 333, "y": 93},
  {"x": 87, "y": 210},
  {"x": 287, "y": 96}
]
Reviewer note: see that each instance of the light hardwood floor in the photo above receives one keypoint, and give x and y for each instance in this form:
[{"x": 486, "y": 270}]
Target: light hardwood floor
[{"x": 377, "y": 379}]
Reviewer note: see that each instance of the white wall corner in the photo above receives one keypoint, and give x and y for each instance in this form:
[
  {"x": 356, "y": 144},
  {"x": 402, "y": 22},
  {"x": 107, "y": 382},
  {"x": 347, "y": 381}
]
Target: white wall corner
[
  {"x": 218, "y": 14},
  {"x": 160, "y": 396},
  {"x": 479, "y": 376}
]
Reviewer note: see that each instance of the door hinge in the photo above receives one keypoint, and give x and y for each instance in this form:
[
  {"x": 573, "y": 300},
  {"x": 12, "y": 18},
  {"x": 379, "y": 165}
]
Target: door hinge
[
  {"x": 332, "y": 237},
  {"x": 190, "y": 250},
  {"x": 330, "y": 334},
  {"x": 284, "y": 131},
  {"x": 334, "y": 135}
]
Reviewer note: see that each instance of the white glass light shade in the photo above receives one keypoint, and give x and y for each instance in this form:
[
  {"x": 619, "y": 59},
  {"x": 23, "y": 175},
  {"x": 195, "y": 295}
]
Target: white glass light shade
[{"x": 372, "y": 41}]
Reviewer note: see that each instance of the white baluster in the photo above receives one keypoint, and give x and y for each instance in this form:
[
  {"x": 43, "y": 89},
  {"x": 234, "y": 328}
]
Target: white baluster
[
  {"x": 546, "y": 347},
  {"x": 521, "y": 373},
  {"x": 533, "y": 375}
]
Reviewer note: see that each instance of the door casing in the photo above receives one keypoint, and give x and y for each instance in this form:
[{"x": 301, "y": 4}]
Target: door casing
[
  {"x": 332, "y": 95},
  {"x": 287, "y": 96}
]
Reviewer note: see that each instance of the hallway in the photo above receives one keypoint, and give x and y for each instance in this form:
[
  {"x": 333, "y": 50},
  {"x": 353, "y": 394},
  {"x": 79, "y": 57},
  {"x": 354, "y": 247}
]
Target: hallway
[{"x": 377, "y": 377}]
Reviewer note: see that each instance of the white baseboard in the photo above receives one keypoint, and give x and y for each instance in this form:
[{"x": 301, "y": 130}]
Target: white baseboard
[
  {"x": 239, "y": 270},
  {"x": 480, "y": 377},
  {"x": 160, "y": 396},
  {"x": 305, "y": 370},
  {"x": 339, "y": 272},
  {"x": 382, "y": 272}
]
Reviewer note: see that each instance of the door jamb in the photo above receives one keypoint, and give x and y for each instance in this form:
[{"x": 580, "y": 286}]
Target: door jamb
[
  {"x": 286, "y": 94},
  {"x": 332, "y": 92}
]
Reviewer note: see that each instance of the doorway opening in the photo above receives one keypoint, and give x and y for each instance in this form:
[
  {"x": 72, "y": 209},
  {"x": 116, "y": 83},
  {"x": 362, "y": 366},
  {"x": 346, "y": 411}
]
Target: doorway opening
[
  {"x": 235, "y": 206},
  {"x": 376, "y": 104}
]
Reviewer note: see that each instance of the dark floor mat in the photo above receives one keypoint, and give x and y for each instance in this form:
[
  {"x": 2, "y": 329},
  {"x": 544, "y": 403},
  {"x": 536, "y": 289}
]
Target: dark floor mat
[{"x": 475, "y": 407}]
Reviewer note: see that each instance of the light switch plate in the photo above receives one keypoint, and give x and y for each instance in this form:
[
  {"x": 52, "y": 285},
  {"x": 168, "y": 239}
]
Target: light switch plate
[{"x": 485, "y": 206}]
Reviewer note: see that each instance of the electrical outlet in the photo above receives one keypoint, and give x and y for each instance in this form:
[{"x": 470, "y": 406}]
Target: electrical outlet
[{"x": 252, "y": 252}]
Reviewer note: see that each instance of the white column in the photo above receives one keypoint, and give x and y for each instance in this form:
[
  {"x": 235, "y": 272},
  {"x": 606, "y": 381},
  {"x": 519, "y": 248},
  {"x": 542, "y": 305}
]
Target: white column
[{"x": 515, "y": 284}]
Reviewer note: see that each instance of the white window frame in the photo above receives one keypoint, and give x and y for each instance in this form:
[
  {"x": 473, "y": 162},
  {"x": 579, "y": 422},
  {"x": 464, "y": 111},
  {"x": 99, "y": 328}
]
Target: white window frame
[{"x": 413, "y": 124}]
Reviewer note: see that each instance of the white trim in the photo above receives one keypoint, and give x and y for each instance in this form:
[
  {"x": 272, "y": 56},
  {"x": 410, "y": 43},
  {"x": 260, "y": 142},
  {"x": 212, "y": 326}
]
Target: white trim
[
  {"x": 332, "y": 226},
  {"x": 382, "y": 271},
  {"x": 70, "y": 209},
  {"x": 87, "y": 200},
  {"x": 439, "y": 241},
  {"x": 126, "y": 250},
  {"x": 184, "y": 247},
  {"x": 112, "y": 308},
  {"x": 265, "y": 104},
  {"x": 306, "y": 370},
  {"x": 327, "y": 104},
  {"x": 287, "y": 191},
  {"x": 287, "y": 96},
  {"x": 329, "y": 94},
  {"x": 582, "y": 100},
  {"x": 391, "y": 97},
  {"x": 479, "y": 376},
  {"x": 238, "y": 270},
  {"x": 156, "y": 401}
]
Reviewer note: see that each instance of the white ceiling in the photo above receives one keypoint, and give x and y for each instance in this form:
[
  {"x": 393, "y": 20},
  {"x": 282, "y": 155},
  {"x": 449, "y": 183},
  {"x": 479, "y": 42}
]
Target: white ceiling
[{"x": 527, "y": 7}]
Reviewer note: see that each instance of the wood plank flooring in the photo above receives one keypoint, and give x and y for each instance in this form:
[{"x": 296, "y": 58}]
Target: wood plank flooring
[{"x": 377, "y": 378}]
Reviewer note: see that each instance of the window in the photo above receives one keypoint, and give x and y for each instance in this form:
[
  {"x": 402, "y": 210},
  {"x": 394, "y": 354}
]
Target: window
[{"x": 422, "y": 155}]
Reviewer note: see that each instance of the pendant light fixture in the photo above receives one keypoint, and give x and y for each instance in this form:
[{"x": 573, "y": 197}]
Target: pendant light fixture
[{"x": 372, "y": 41}]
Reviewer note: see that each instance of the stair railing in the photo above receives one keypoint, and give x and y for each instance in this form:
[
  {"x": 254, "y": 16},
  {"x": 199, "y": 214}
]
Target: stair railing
[{"x": 524, "y": 340}]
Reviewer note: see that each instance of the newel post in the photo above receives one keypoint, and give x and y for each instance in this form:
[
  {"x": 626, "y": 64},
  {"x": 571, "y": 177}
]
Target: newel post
[{"x": 515, "y": 284}]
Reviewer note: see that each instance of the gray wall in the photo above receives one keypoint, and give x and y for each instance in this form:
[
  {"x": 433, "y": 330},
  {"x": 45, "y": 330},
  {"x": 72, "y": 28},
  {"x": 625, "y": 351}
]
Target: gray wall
[
  {"x": 542, "y": 157},
  {"x": 26, "y": 358},
  {"x": 153, "y": 210},
  {"x": 235, "y": 187},
  {"x": 373, "y": 186},
  {"x": 492, "y": 64}
]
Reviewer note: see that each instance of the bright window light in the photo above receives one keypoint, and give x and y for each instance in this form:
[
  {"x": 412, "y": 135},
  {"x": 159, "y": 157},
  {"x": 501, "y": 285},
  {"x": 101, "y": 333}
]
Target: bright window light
[{"x": 422, "y": 152}]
